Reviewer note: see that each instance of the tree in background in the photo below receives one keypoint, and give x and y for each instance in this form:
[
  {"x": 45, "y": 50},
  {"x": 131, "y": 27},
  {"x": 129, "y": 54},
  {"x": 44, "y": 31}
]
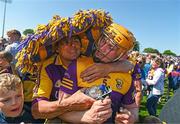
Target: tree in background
[
  {"x": 151, "y": 50},
  {"x": 136, "y": 46},
  {"x": 169, "y": 52},
  {"x": 28, "y": 31}
]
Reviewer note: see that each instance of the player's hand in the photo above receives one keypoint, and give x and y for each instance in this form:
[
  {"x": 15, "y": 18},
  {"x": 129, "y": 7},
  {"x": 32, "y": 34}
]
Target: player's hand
[
  {"x": 94, "y": 72},
  {"x": 80, "y": 101},
  {"x": 99, "y": 112},
  {"x": 124, "y": 117}
]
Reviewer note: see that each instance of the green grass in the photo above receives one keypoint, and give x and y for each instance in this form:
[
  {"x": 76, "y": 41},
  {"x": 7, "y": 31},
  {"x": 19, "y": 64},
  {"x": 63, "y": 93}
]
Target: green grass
[{"x": 143, "y": 111}]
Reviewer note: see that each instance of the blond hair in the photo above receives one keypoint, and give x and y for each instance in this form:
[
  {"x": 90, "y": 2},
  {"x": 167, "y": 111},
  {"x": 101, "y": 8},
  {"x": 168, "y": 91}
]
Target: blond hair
[{"x": 9, "y": 82}]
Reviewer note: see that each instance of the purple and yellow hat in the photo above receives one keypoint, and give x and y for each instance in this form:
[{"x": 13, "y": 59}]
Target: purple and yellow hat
[{"x": 36, "y": 48}]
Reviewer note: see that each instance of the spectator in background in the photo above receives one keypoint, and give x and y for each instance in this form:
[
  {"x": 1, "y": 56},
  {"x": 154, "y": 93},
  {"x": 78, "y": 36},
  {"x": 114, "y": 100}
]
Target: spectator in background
[
  {"x": 147, "y": 72},
  {"x": 5, "y": 60},
  {"x": 14, "y": 37},
  {"x": 170, "y": 66},
  {"x": 2, "y": 43},
  {"x": 174, "y": 78},
  {"x": 147, "y": 65},
  {"x": 141, "y": 62},
  {"x": 158, "y": 86}
]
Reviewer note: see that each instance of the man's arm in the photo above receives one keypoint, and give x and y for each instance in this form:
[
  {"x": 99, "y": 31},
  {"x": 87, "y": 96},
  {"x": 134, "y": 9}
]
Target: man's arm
[
  {"x": 50, "y": 109},
  {"x": 128, "y": 115},
  {"x": 46, "y": 109},
  {"x": 99, "y": 112},
  {"x": 138, "y": 88},
  {"x": 100, "y": 70},
  {"x": 134, "y": 111},
  {"x": 123, "y": 66}
]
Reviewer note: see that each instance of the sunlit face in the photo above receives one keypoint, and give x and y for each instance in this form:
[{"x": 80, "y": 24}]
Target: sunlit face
[
  {"x": 155, "y": 64},
  {"x": 3, "y": 63},
  {"x": 140, "y": 62},
  {"x": 11, "y": 102},
  {"x": 107, "y": 50},
  {"x": 12, "y": 38},
  {"x": 70, "y": 50}
]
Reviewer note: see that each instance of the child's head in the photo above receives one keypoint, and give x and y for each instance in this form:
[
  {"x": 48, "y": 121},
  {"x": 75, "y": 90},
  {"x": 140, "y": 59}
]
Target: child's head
[
  {"x": 11, "y": 95},
  {"x": 157, "y": 62},
  {"x": 152, "y": 120},
  {"x": 14, "y": 35},
  {"x": 5, "y": 59}
]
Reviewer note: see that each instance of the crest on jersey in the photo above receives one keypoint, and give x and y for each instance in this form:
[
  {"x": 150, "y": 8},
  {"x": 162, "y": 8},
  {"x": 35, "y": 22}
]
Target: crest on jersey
[
  {"x": 119, "y": 83},
  {"x": 138, "y": 76}
]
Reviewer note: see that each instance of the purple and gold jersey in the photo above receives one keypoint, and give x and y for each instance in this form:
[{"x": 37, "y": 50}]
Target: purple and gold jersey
[
  {"x": 136, "y": 74},
  {"x": 51, "y": 74},
  {"x": 28, "y": 85},
  {"x": 120, "y": 83},
  {"x": 136, "y": 71}
]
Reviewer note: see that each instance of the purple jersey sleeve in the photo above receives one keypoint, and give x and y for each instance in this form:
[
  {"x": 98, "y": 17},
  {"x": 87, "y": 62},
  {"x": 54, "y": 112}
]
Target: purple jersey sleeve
[
  {"x": 128, "y": 98},
  {"x": 136, "y": 74}
]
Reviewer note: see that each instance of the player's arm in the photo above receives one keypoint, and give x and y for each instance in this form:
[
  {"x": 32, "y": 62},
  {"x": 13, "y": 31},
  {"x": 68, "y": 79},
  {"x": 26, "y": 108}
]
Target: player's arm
[{"x": 99, "y": 70}]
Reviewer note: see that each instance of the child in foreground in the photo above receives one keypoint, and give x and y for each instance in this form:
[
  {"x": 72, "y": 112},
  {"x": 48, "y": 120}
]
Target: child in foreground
[{"x": 11, "y": 99}]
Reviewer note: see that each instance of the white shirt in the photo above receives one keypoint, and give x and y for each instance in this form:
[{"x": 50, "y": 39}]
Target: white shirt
[{"x": 157, "y": 81}]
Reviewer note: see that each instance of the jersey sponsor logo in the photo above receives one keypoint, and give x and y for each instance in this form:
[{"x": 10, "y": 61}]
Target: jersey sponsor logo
[
  {"x": 58, "y": 83},
  {"x": 67, "y": 75}
]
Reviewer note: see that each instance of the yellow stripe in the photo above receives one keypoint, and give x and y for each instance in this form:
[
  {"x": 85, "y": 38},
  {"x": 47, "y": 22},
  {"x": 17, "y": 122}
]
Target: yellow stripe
[
  {"x": 66, "y": 86},
  {"x": 67, "y": 83},
  {"x": 67, "y": 80}
]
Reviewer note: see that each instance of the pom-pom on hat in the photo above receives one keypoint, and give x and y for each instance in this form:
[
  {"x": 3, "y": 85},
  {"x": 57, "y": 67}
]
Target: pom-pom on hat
[{"x": 88, "y": 24}]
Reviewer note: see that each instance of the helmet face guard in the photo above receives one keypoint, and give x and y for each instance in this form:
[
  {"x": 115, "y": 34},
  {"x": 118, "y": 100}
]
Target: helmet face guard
[
  {"x": 114, "y": 42},
  {"x": 107, "y": 50}
]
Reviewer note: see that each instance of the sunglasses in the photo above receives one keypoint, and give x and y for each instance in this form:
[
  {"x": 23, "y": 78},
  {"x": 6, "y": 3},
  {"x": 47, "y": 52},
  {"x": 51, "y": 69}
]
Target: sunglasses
[{"x": 140, "y": 62}]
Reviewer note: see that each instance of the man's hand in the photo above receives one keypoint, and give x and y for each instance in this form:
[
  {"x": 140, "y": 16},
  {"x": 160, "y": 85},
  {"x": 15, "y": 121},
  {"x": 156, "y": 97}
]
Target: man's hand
[
  {"x": 80, "y": 101},
  {"x": 124, "y": 117},
  {"x": 99, "y": 112},
  {"x": 96, "y": 71}
]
